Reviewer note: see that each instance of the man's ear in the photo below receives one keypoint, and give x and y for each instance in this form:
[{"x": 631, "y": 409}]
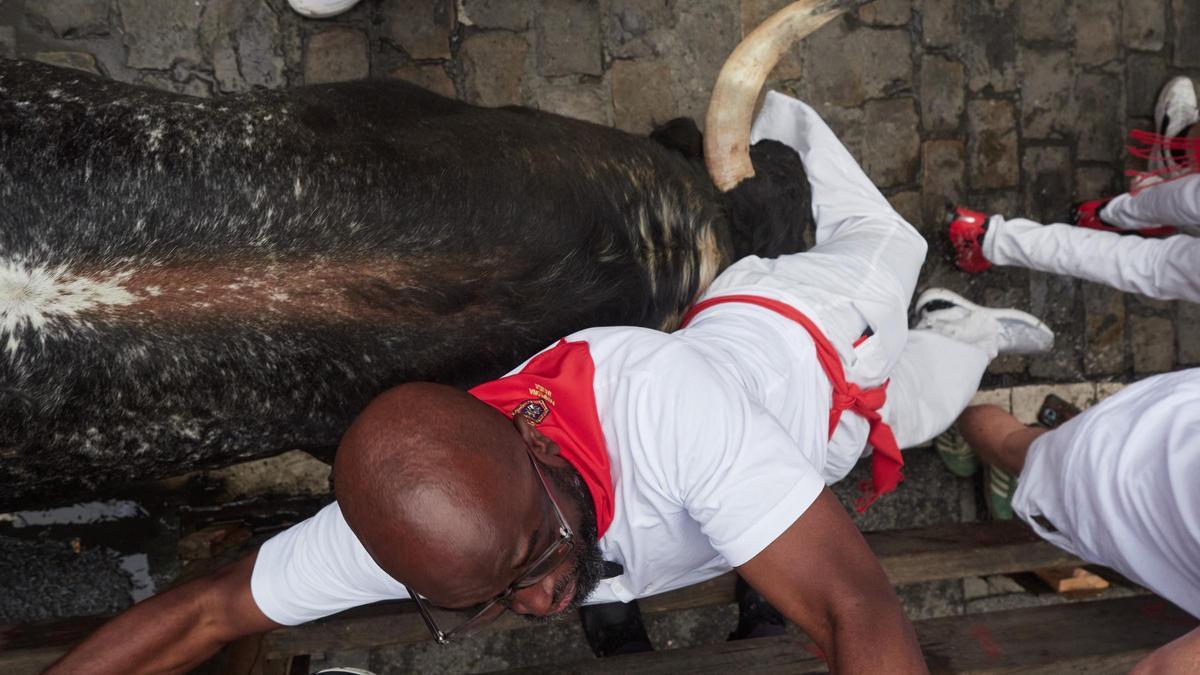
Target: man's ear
[{"x": 545, "y": 450}]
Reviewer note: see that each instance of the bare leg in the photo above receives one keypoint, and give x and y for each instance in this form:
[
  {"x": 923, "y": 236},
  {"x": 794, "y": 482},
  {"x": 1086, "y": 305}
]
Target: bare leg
[{"x": 999, "y": 438}]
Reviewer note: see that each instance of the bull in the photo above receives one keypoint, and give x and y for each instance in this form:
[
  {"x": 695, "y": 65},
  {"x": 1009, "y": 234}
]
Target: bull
[{"x": 186, "y": 283}]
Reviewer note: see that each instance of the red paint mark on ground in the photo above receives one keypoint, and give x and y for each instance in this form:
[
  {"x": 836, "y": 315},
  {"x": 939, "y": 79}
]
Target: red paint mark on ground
[
  {"x": 987, "y": 643},
  {"x": 1158, "y": 611},
  {"x": 1153, "y": 609},
  {"x": 814, "y": 650}
]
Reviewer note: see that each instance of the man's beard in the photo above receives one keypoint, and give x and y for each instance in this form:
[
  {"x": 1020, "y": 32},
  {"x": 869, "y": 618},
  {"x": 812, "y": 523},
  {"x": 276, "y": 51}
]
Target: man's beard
[{"x": 587, "y": 562}]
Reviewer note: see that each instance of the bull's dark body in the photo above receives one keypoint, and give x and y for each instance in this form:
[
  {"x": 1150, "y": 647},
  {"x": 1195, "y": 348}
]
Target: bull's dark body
[{"x": 485, "y": 235}]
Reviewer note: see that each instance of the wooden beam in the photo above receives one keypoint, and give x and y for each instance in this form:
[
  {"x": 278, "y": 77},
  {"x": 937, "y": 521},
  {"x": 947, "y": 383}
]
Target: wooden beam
[
  {"x": 1071, "y": 579},
  {"x": 30, "y": 647},
  {"x": 908, "y": 556},
  {"x": 1103, "y": 636}
]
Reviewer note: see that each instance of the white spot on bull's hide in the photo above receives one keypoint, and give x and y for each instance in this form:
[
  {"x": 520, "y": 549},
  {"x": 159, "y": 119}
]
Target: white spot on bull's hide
[
  {"x": 278, "y": 297},
  {"x": 298, "y": 190},
  {"x": 37, "y": 298},
  {"x": 156, "y": 135},
  {"x": 154, "y": 291}
]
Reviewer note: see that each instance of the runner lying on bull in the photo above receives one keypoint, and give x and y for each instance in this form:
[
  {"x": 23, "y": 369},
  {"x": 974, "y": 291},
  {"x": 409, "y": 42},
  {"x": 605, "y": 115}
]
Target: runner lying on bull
[{"x": 624, "y": 462}]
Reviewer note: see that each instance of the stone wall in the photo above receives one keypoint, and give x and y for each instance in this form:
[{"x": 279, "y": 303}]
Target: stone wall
[{"x": 1017, "y": 106}]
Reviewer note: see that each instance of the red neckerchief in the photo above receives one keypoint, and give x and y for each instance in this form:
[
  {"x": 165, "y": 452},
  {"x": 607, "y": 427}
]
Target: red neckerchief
[
  {"x": 554, "y": 392},
  {"x": 886, "y": 460}
]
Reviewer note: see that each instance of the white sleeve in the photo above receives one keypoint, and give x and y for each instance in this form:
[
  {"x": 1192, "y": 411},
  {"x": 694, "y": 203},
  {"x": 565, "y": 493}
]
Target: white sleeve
[
  {"x": 316, "y": 568},
  {"x": 733, "y": 466}
]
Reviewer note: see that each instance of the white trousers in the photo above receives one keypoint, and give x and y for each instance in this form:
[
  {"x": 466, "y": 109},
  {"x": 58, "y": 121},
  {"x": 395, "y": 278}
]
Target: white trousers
[
  {"x": 1174, "y": 202},
  {"x": 1121, "y": 485},
  {"x": 1168, "y": 269},
  {"x": 860, "y": 274}
]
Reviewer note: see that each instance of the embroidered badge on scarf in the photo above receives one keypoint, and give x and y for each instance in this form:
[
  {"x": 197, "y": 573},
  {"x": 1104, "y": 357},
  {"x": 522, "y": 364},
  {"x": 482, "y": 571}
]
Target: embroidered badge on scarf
[{"x": 553, "y": 391}]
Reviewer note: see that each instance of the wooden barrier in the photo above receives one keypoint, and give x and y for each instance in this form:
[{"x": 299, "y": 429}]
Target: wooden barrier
[
  {"x": 908, "y": 556},
  {"x": 1105, "y": 636}
]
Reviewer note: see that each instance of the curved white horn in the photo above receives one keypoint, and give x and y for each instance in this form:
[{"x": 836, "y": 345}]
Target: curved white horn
[{"x": 730, "y": 112}]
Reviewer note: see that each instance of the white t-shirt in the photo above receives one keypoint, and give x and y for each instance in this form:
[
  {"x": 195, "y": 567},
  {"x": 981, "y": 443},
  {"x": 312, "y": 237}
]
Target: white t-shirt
[
  {"x": 716, "y": 433},
  {"x": 1121, "y": 485}
]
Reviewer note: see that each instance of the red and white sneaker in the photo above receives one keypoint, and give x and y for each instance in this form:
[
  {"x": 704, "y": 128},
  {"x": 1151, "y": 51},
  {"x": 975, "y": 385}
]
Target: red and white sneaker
[
  {"x": 967, "y": 229},
  {"x": 1168, "y": 152},
  {"x": 1087, "y": 214},
  {"x": 1175, "y": 112}
]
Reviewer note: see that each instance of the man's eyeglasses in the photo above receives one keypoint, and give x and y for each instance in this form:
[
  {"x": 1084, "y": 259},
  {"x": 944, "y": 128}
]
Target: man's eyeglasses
[{"x": 545, "y": 563}]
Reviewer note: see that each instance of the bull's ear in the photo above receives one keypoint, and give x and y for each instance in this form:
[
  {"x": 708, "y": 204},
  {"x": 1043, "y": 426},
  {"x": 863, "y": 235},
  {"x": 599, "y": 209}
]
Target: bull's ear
[
  {"x": 770, "y": 212},
  {"x": 681, "y": 135}
]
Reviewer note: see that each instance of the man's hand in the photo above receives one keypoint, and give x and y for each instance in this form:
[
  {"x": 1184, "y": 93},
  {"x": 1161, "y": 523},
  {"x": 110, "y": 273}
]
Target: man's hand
[
  {"x": 174, "y": 631},
  {"x": 822, "y": 576}
]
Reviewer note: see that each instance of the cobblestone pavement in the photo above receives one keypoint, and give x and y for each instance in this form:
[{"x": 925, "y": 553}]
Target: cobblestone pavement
[{"x": 1020, "y": 106}]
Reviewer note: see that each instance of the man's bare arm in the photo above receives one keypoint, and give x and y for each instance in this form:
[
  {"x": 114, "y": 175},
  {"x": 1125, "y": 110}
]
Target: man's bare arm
[
  {"x": 174, "y": 631},
  {"x": 820, "y": 574}
]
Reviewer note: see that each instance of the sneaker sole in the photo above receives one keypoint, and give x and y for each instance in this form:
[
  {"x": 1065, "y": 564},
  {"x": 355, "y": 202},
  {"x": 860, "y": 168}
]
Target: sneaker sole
[
  {"x": 1160, "y": 106},
  {"x": 935, "y": 294},
  {"x": 1161, "y": 158},
  {"x": 316, "y": 9}
]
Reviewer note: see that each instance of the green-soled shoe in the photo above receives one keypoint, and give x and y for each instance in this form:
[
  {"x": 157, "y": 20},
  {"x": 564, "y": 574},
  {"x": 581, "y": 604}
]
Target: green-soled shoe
[
  {"x": 1001, "y": 486},
  {"x": 955, "y": 453}
]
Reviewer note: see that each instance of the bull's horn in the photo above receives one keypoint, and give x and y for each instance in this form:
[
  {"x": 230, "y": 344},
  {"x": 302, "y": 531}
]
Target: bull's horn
[{"x": 727, "y": 125}]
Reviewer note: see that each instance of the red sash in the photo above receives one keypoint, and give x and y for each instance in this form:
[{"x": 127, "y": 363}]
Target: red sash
[
  {"x": 886, "y": 459},
  {"x": 554, "y": 392}
]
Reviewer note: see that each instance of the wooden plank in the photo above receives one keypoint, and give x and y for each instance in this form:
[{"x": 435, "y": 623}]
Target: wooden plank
[
  {"x": 960, "y": 550},
  {"x": 30, "y": 661},
  {"x": 762, "y": 656},
  {"x": 1071, "y": 579},
  {"x": 29, "y": 648},
  {"x": 933, "y": 553},
  {"x": 908, "y": 556},
  {"x": 1105, "y": 636}
]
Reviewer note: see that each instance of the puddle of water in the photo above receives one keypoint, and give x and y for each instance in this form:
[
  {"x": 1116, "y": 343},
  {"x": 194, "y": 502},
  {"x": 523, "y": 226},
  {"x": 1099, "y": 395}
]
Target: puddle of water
[{"x": 77, "y": 514}]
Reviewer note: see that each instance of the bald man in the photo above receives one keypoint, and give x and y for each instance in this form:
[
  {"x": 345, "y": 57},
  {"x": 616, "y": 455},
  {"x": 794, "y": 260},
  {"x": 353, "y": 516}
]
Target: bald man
[{"x": 624, "y": 462}]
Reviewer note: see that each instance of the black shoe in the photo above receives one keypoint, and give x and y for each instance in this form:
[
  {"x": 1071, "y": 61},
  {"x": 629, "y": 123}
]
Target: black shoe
[
  {"x": 615, "y": 628},
  {"x": 1055, "y": 411},
  {"x": 756, "y": 617}
]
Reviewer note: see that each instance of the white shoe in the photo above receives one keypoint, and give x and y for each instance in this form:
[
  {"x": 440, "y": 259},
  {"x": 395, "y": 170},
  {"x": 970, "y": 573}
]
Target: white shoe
[
  {"x": 996, "y": 331},
  {"x": 1175, "y": 111},
  {"x": 321, "y": 9}
]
